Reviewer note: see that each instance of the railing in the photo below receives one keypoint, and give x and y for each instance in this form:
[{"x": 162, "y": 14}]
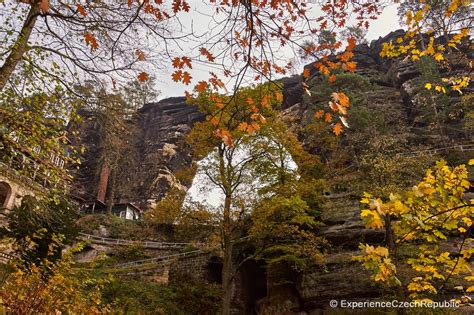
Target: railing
[
  {"x": 159, "y": 260},
  {"x": 5, "y": 258},
  {"x": 122, "y": 242}
]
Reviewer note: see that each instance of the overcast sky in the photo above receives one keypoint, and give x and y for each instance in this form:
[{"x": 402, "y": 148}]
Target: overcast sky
[{"x": 387, "y": 22}]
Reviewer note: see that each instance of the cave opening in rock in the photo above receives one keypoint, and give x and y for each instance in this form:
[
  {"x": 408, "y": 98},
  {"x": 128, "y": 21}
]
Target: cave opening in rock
[
  {"x": 214, "y": 270},
  {"x": 253, "y": 280},
  {"x": 5, "y": 191}
]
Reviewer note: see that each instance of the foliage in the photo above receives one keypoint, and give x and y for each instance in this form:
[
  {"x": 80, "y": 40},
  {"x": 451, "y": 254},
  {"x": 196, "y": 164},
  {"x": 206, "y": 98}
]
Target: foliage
[
  {"x": 117, "y": 227},
  {"x": 435, "y": 17},
  {"x": 426, "y": 216},
  {"x": 285, "y": 233},
  {"x": 32, "y": 134},
  {"x": 51, "y": 288},
  {"x": 137, "y": 297},
  {"x": 189, "y": 220},
  {"x": 37, "y": 226}
]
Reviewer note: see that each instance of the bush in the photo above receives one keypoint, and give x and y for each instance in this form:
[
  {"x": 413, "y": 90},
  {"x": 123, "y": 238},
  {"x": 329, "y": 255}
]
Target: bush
[{"x": 136, "y": 297}]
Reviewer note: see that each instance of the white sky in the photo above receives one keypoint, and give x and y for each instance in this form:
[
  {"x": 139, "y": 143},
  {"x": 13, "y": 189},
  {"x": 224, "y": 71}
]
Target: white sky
[{"x": 197, "y": 20}]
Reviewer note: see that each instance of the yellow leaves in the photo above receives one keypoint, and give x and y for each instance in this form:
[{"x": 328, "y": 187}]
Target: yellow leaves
[
  {"x": 376, "y": 259},
  {"x": 438, "y": 57},
  {"x": 428, "y": 86},
  {"x": 440, "y": 88},
  {"x": 421, "y": 286},
  {"x": 279, "y": 96},
  {"x": 372, "y": 219}
]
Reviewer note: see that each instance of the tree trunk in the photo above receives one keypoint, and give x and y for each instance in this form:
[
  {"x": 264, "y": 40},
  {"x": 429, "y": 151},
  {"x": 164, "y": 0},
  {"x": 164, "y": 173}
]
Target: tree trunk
[
  {"x": 112, "y": 191},
  {"x": 227, "y": 264},
  {"x": 20, "y": 45}
]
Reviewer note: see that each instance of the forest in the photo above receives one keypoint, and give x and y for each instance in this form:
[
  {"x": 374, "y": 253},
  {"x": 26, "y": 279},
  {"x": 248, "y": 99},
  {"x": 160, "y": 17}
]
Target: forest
[{"x": 236, "y": 157}]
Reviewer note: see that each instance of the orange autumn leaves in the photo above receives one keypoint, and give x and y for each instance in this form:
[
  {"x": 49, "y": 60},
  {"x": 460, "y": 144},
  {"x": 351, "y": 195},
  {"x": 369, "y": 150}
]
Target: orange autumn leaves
[
  {"x": 339, "y": 105},
  {"x": 244, "y": 113}
]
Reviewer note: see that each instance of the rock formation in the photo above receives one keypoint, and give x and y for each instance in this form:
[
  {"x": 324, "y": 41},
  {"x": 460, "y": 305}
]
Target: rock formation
[{"x": 162, "y": 151}]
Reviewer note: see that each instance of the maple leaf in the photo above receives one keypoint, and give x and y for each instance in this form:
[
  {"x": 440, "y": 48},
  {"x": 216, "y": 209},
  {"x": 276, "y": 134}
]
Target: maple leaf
[
  {"x": 186, "y": 78},
  {"x": 327, "y": 117},
  {"x": 176, "y": 5},
  {"x": 207, "y": 54},
  {"x": 350, "y": 66},
  {"x": 351, "y": 43},
  {"x": 201, "y": 86},
  {"x": 214, "y": 121},
  {"x": 140, "y": 54},
  {"x": 185, "y": 61},
  {"x": 337, "y": 129},
  {"x": 242, "y": 126},
  {"x": 265, "y": 101},
  {"x": 143, "y": 76},
  {"x": 319, "y": 114},
  {"x": 225, "y": 136},
  {"x": 91, "y": 41},
  {"x": 177, "y": 63},
  {"x": 176, "y": 76},
  {"x": 185, "y": 6},
  {"x": 344, "y": 100},
  {"x": 306, "y": 73},
  {"x": 81, "y": 10}
]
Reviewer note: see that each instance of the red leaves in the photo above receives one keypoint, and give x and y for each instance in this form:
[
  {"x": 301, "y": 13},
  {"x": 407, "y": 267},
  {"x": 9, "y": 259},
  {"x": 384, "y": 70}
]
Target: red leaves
[
  {"x": 181, "y": 76},
  {"x": 91, "y": 41},
  {"x": 179, "y": 5},
  {"x": 44, "y": 5},
  {"x": 182, "y": 62},
  {"x": 81, "y": 10},
  {"x": 140, "y": 54},
  {"x": 143, "y": 76},
  {"x": 186, "y": 78},
  {"x": 201, "y": 86},
  {"x": 207, "y": 54},
  {"x": 177, "y": 75}
]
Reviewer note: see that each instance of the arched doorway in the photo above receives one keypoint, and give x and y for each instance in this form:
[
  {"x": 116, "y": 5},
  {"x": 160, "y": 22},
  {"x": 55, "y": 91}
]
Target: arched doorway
[{"x": 5, "y": 192}]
